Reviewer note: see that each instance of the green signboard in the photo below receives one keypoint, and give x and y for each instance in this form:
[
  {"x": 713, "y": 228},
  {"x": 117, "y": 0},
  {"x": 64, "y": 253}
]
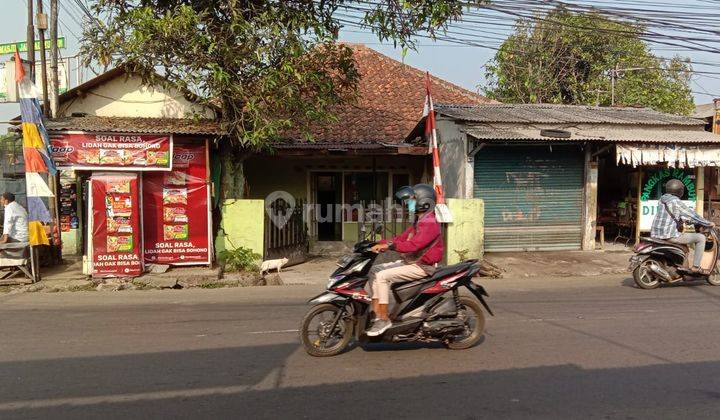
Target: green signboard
[{"x": 10, "y": 47}]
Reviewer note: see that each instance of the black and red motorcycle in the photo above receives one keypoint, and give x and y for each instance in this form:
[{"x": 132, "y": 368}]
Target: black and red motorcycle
[{"x": 426, "y": 310}]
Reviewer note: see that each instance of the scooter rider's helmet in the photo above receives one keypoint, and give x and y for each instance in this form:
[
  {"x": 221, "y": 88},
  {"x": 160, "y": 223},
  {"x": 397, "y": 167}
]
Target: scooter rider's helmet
[
  {"x": 425, "y": 196},
  {"x": 675, "y": 187}
]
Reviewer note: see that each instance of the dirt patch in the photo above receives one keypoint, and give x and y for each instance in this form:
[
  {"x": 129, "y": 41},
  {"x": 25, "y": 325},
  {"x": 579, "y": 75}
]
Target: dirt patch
[{"x": 560, "y": 264}]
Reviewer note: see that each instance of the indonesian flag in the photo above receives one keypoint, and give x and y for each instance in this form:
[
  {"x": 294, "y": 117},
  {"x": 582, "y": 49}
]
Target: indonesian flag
[
  {"x": 441, "y": 209},
  {"x": 19, "y": 69}
]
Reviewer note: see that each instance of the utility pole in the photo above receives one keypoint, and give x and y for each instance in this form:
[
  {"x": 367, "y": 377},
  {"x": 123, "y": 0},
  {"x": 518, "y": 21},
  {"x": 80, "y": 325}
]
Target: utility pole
[
  {"x": 42, "y": 25},
  {"x": 54, "y": 182},
  {"x": 54, "y": 57},
  {"x": 31, "y": 39}
]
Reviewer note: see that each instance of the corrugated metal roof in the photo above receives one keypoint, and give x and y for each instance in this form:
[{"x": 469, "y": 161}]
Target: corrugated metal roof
[
  {"x": 704, "y": 110},
  {"x": 134, "y": 125},
  {"x": 625, "y": 134},
  {"x": 562, "y": 114}
]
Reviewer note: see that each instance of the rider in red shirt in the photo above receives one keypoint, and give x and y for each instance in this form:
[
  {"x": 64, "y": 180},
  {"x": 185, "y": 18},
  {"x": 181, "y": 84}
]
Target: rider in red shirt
[{"x": 421, "y": 246}]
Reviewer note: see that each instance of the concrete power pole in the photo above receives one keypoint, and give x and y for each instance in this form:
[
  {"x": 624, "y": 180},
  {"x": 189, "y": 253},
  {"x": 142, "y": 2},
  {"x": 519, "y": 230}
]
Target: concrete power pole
[
  {"x": 42, "y": 25},
  {"x": 31, "y": 39},
  {"x": 54, "y": 57}
]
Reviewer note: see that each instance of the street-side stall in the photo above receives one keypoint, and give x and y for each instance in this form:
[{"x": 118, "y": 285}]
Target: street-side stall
[
  {"x": 131, "y": 199},
  {"x": 640, "y": 173}
]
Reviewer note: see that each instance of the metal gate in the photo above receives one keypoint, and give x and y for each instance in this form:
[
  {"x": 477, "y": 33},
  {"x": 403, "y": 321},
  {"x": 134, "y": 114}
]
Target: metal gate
[
  {"x": 533, "y": 197},
  {"x": 289, "y": 240}
]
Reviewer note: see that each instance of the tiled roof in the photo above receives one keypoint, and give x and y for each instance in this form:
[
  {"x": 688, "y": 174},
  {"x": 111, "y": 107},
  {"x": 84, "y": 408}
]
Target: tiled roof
[
  {"x": 134, "y": 125},
  {"x": 507, "y": 133},
  {"x": 391, "y": 100},
  {"x": 562, "y": 114}
]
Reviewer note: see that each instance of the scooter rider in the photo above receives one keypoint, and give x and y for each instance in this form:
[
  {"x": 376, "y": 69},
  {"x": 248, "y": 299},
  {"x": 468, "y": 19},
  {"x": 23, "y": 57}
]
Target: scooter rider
[
  {"x": 421, "y": 246},
  {"x": 670, "y": 215}
]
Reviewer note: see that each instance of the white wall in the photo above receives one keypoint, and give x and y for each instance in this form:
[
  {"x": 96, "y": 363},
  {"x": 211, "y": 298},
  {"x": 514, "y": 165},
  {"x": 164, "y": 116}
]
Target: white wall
[{"x": 123, "y": 97}]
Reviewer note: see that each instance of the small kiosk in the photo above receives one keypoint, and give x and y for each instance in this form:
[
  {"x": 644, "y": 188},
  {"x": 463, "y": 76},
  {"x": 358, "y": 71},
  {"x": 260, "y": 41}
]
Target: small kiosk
[{"x": 134, "y": 199}]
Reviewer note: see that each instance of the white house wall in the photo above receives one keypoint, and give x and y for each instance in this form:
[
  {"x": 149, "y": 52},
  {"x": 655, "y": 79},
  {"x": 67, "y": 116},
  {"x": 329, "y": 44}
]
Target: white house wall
[{"x": 121, "y": 97}]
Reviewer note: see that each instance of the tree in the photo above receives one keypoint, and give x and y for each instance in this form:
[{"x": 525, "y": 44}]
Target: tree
[
  {"x": 270, "y": 66},
  {"x": 566, "y": 57}
]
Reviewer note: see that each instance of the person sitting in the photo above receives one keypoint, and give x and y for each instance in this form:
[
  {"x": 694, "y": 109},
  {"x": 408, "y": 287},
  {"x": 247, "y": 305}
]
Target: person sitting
[
  {"x": 669, "y": 217},
  {"x": 421, "y": 246},
  {"x": 15, "y": 223}
]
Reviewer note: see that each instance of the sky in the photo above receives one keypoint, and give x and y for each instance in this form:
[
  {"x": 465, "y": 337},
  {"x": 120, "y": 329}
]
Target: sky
[{"x": 460, "y": 64}]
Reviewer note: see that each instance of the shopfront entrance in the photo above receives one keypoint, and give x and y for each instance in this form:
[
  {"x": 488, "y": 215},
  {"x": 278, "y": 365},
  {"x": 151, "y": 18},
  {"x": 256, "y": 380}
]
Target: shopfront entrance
[{"x": 134, "y": 199}]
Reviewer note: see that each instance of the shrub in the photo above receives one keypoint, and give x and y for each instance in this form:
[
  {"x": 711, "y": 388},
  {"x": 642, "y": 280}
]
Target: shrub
[{"x": 239, "y": 259}]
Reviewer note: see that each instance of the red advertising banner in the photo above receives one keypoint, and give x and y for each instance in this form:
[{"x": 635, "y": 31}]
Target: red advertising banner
[
  {"x": 176, "y": 212},
  {"x": 115, "y": 233},
  {"x": 86, "y": 151}
]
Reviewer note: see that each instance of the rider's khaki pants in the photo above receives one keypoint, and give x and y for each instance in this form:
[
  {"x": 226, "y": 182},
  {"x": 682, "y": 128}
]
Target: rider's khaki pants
[{"x": 385, "y": 274}]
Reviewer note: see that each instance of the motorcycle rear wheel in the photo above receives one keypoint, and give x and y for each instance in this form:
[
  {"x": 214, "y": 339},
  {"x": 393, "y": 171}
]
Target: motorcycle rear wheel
[
  {"x": 644, "y": 278},
  {"x": 471, "y": 308},
  {"x": 341, "y": 334}
]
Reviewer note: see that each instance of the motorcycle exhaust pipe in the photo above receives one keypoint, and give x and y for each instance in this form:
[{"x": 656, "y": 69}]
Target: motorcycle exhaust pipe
[{"x": 656, "y": 269}]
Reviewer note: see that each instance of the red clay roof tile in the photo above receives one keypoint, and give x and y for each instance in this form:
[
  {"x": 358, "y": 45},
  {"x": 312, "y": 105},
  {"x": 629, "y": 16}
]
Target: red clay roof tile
[{"x": 390, "y": 104}]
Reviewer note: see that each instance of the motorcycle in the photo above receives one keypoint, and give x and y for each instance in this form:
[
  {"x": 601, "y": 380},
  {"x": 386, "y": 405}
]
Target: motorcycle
[
  {"x": 426, "y": 310},
  {"x": 658, "y": 261}
]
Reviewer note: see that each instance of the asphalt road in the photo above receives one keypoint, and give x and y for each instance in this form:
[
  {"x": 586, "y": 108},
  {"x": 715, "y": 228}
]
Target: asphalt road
[{"x": 557, "y": 348}]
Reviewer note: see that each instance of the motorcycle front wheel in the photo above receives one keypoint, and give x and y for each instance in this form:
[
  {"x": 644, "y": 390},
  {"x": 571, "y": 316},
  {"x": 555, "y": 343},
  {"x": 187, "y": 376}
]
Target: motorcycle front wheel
[
  {"x": 644, "y": 278},
  {"x": 472, "y": 314},
  {"x": 714, "y": 278},
  {"x": 318, "y": 335}
]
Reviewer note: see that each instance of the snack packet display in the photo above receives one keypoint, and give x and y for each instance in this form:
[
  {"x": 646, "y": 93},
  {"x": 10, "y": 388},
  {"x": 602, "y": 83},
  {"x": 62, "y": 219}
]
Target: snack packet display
[
  {"x": 175, "y": 232},
  {"x": 175, "y": 196}
]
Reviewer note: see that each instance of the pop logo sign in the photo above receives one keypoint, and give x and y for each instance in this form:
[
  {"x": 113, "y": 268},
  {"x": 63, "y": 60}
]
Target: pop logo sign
[{"x": 62, "y": 149}]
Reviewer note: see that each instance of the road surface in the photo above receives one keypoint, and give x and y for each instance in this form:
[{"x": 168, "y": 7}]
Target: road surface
[{"x": 557, "y": 348}]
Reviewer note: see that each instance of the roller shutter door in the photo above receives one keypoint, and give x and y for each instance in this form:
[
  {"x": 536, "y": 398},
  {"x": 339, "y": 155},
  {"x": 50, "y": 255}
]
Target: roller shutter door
[{"x": 533, "y": 197}]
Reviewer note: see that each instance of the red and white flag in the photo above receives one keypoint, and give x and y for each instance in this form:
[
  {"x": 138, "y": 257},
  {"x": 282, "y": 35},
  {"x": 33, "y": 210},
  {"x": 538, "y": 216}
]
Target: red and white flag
[{"x": 441, "y": 209}]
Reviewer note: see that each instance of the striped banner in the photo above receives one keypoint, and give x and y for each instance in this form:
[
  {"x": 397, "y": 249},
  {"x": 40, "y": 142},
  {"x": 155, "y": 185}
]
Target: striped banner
[
  {"x": 36, "y": 151},
  {"x": 442, "y": 211}
]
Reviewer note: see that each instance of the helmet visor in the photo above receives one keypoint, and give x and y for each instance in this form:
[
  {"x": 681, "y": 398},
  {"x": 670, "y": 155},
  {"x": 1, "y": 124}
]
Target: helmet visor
[{"x": 404, "y": 193}]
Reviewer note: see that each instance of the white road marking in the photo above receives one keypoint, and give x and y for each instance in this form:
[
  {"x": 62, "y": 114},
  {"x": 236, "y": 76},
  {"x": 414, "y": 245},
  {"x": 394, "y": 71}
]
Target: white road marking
[{"x": 273, "y": 332}]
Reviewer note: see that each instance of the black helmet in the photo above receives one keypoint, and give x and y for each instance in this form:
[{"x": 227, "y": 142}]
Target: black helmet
[
  {"x": 675, "y": 187},
  {"x": 425, "y": 196}
]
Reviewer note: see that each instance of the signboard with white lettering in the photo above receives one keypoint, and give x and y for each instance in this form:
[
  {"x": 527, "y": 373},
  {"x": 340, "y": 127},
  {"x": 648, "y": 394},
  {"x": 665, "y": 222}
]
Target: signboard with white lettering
[
  {"x": 11, "y": 47},
  {"x": 79, "y": 150}
]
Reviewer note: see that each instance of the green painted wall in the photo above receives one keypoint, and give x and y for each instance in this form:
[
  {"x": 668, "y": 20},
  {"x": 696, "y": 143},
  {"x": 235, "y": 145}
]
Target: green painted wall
[
  {"x": 242, "y": 224},
  {"x": 266, "y": 174},
  {"x": 467, "y": 230}
]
